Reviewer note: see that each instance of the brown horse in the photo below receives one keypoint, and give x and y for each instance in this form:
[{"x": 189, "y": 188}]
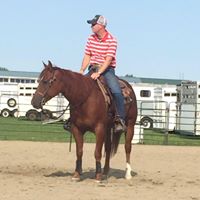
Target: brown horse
[{"x": 88, "y": 112}]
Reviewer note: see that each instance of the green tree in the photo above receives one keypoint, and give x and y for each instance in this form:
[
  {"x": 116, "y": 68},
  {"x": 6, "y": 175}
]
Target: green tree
[
  {"x": 3, "y": 69},
  {"x": 128, "y": 75}
]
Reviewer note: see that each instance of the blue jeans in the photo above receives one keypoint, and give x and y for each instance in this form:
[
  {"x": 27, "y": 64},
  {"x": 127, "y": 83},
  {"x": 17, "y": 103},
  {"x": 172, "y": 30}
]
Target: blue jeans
[{"x": 113, "y": 84}]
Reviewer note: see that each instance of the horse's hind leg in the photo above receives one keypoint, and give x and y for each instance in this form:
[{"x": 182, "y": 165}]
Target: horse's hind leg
[
  {"x": 100, "y": 132},
  {"x": 107, "y": 152},
  {"x": 128, "y": 147}
]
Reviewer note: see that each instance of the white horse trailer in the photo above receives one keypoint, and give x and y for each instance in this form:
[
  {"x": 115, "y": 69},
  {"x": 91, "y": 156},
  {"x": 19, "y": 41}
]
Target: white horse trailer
[
  {"x": 156, "y": 103},
  {"x": 8, "y": 99},
  {"x": 52, "y": 109},
  {"x": 170, "y": 97},
  {"x": 15, "y": 100},
  {"x": 188, "y": 119}
]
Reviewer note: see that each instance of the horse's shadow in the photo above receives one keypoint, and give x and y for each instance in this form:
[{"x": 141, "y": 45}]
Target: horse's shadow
[
  {"x": 58, "y": 174},
  {"x": 116, "y": 173}
]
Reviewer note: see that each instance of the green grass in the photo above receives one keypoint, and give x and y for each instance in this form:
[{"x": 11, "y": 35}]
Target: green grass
[
  {"x": 160, "y": 138},
  {"x": 21, "y": 129}
]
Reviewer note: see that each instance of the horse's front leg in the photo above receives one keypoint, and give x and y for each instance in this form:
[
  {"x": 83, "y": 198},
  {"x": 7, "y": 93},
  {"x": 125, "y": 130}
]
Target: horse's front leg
[
  {"x": 128, "y": 147},
  {"x": 100, "y": 134},
  {"x": 78, "y": 136}
]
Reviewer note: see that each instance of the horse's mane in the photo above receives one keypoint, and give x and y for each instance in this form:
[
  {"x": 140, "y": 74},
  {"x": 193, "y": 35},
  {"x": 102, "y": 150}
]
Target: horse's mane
[
  {"x": 73, "y": 74},
  {"x": 77, "y": 77},
  {"x": 83, "y": 84},
  {"x": 45, "y": 69}
]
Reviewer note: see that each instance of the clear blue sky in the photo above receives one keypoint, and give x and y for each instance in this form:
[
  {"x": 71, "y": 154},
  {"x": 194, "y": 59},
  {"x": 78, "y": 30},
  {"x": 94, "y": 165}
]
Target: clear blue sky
[{"x": 156, "y": 38}]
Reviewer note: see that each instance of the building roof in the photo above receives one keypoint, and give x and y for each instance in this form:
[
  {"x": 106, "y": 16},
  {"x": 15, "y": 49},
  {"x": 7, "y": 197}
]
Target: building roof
[
  {"x": 130, "y": 79},
  {"x": 19, "y": 74}
]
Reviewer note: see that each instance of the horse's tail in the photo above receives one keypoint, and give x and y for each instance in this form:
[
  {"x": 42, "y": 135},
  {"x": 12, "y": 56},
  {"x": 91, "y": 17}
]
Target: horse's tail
[{"x": 115, "y": 142}]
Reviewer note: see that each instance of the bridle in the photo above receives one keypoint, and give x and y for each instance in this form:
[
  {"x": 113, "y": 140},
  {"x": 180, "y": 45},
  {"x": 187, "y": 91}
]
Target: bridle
[
  {"x": 44, "y": 93},
  {"x": 49, "y": 83}
]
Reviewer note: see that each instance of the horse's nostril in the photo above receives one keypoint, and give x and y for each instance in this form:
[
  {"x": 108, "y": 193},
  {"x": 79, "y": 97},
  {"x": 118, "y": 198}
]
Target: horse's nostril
[
  {"x": 42, "y": 102},
  {"x": 37, "y": 101}
]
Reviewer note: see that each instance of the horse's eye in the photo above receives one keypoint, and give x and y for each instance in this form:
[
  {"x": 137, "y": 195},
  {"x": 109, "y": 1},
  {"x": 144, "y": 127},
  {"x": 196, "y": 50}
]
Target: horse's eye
[{"x": 45, "y": 81}]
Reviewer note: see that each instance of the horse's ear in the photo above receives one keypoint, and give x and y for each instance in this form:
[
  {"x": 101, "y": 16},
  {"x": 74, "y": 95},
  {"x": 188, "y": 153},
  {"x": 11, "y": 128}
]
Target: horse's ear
[
  {"x": 49, "y": 63},
  {"x": 45, "y": 65}
]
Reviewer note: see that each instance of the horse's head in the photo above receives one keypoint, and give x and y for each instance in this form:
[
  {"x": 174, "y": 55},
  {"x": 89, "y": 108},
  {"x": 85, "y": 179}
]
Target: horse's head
[{"x": 48, "y": 86}]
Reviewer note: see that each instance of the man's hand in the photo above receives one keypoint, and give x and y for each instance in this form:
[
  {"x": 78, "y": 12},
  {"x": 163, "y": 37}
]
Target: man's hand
[
  {"x": 95, "y": 75},
  {"x": 81, "y": 71}
]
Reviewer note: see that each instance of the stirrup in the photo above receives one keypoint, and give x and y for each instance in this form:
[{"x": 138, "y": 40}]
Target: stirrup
[
  {"x": 67, "y": 125},
  {"x": 119, "y": 126}
]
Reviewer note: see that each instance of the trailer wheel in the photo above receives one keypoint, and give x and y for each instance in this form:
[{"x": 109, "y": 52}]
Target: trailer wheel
[
  {"x": 14, "y": 113},
  {"x": 11, "y": 102},
  {"x": 5, "y": 113},
  {"x": 32, "y": 115},
  {"x": 46, "y": 114},
  {"x": 146, "y": 122}
]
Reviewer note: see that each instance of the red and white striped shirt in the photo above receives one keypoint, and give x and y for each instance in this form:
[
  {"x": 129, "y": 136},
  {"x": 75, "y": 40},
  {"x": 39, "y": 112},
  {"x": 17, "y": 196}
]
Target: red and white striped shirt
[{"x": 100, "y": 49}]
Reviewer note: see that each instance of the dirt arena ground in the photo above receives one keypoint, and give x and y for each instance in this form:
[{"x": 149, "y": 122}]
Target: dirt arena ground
[{"x": 42, "y": 171}]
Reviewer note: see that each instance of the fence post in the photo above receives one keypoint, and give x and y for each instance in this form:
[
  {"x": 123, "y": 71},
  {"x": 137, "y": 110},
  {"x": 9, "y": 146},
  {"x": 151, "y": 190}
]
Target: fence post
[{"x": 166, "y": 134}]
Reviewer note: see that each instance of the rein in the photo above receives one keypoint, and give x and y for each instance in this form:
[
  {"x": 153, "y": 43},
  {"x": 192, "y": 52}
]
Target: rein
[
  {"x": 49, "y": 82},
  {"x": 63, "y": 111},
  {"x": 43, "y": 94}
]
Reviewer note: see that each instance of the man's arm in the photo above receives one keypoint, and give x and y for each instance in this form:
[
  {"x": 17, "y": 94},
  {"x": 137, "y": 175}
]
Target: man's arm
[
  {"x": 85, "y": 63},
  {"x": 106, "y": 64},
  {"x": 103, "y": 67}
]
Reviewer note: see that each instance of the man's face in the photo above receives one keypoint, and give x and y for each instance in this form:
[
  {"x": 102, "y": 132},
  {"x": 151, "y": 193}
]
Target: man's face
[{"x": 96, "y": 28}]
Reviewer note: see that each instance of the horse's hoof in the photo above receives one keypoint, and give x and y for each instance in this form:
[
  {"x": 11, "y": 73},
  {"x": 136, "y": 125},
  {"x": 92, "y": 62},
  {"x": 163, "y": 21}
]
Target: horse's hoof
[
  {"x": 76, "y": 177},
  {"x": 98, "y": 178},
  {"x": 105, "y": 171},
  {"x": 97, "y": 181},
  {"x": 128, "y": 177}
]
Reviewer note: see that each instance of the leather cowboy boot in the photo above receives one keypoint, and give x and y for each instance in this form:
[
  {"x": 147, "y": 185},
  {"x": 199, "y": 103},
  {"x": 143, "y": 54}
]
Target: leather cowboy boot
[{"x": 119, "y": 126}]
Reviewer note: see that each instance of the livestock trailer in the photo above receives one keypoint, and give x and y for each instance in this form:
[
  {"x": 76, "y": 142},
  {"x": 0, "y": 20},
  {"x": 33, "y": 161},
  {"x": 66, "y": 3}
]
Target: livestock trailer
[
  {"x": 156, "y": 105},
  {"x": 188, "y": 115},
  {"x": 15, "y": 100}
]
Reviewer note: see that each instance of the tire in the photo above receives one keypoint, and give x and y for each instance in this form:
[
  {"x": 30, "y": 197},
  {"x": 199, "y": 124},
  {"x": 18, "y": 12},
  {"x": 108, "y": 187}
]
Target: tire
[
  {"x": 46, "y": 114},
  {"x": 11, "y": 102},
  {"x": 32, "y": 115},
  {"x": 5, "y": 113},
  {"x": 14, "y": 113},
  {"x": 146, "y": 122}
]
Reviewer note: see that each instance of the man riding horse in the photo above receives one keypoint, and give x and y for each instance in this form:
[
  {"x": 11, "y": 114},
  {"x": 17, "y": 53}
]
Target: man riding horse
[
  {"x": 100, "y": 52},
  {"x": 88, "y": 109}
]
